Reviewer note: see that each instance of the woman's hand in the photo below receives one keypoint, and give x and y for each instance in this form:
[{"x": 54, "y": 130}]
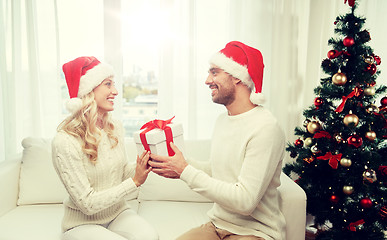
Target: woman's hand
[{"x": 142, "y": 168}]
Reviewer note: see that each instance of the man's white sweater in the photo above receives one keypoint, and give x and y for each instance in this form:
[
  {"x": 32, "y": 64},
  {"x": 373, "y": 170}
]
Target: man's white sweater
[
  {"x": 96, "y": 191},
  {"x": 244, "y": 173}
]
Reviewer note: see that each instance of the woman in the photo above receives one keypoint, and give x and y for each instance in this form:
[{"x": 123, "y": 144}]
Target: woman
[{"x": 89, "y": 157}]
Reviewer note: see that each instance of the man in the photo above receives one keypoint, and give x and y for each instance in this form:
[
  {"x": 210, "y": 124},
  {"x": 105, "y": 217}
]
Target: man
[{"x": 246, "y": 155}]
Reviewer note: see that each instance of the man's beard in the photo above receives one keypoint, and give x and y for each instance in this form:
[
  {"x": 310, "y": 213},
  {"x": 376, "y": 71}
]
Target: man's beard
[{"x": 225, "y": 97}]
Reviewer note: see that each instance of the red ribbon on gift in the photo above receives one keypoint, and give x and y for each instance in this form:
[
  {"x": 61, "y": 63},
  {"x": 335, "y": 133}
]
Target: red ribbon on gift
[
  {"x": 356, "y": 92},
  {"x": 333, "y": 159},
  {"x": 160, "y": 124},
  {"x": 352, "y": 226}
]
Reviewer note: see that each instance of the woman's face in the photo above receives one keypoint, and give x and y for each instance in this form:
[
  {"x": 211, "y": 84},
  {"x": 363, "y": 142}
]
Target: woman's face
[{"x": 104, "y": 95}]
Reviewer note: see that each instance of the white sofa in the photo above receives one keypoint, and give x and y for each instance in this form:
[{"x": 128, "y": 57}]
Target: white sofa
[{"x": 31, "y": 196}]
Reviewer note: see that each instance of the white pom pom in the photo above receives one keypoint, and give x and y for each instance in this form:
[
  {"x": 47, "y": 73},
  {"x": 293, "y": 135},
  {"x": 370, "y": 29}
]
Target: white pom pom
[
  {"x": 257, "y": 98},
  {"x": 73, "y": 104}
]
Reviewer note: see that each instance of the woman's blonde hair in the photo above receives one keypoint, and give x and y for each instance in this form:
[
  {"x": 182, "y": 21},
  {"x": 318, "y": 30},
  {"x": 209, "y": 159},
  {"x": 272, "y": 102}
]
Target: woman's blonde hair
[{"x": 83, "y": 125}]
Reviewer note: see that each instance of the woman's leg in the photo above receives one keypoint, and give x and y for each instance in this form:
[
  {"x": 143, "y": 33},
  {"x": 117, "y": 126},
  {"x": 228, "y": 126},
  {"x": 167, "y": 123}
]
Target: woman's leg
[
  {"x": 91, "y": 232},
  {"x": 133, "y": 227}
]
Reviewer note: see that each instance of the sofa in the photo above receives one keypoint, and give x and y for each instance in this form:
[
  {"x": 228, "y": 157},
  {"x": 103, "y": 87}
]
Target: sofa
[{"x": 31, "y": 196}]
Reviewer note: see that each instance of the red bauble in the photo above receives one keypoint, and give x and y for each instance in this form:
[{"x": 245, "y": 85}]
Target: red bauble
[
  {"x": 371, "y": 68},
  {"x": 383, "y": 101},
  {"x": 332, "y": 54},
  {"x": 377, "y": 59},
  {"x": 318, "y": 101},
  {"x": 355, "y": 140},
  {"x": 348, "y": 41},
  {"x": 299, "y": 143},
  {"x": 366, "y": 203},
  {"x": 334, "y": 199}
]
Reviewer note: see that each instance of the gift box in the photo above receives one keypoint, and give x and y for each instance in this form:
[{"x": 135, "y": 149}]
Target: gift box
[{"x": 156, "y": 135}]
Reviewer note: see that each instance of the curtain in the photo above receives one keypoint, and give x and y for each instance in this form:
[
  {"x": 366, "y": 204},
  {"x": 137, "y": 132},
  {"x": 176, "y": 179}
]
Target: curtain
[
  {"x": 30, "y": 99},
  {"x": 39, "y": 36}
]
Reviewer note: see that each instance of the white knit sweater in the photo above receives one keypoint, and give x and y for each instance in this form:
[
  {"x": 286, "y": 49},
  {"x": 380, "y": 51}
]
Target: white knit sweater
[
  {"x": 244, "y": 173},
  {"x": 96, "y": 191}
]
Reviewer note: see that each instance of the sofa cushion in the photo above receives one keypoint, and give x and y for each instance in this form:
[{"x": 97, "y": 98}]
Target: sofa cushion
[
  {"x": 39, "y": 182},
  {"x": 41, "y": 221}
]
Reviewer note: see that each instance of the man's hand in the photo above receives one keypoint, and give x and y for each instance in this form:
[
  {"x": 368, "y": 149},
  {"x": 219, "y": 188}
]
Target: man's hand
[{"x": 169, "y": 167}]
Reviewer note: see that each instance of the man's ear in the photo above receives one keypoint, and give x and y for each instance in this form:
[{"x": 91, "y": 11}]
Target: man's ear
[{"x": 236, "y": 80}]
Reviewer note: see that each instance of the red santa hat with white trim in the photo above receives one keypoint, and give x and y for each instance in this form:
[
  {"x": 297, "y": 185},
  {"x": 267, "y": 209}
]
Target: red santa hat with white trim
[
  {"x": 246, "y": 64},
  {"x": 82, "y": 75}
]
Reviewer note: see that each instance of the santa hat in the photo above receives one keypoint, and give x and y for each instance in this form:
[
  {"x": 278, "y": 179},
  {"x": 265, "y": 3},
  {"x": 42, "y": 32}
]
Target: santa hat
[
  {"x": 82, "y": 75},
  {"x": 246, "y": 64}
]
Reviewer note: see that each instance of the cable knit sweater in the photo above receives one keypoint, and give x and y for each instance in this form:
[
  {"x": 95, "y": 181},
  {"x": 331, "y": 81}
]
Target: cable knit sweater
[
  {"x": 96, "y": 191},
  {"x": 243, "y": 176}
]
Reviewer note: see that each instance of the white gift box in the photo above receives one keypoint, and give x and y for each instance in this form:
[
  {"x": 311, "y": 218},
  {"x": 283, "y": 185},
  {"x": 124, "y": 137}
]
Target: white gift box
[{"x": 156, "y": 139}]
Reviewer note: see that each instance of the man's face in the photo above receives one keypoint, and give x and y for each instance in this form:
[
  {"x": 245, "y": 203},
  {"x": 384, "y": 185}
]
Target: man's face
[{"x": 222, "y": 86}]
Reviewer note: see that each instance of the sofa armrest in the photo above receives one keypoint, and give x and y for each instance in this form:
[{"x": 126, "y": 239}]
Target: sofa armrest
[
  {"x": 9, "y": 184},
  {"x": 293, "y": 206}
]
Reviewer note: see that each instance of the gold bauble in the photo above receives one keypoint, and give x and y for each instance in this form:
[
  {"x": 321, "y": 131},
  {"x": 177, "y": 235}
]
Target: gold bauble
[
  {"x": 313, "y": 127},
  {"x": 308, "y": 141},
  {"x": 345, "y": 162},
  {"x": 369, "y": 59},
  {"x": 351, "y": 120},
  {"x": 370, "y": 135},
  {"x": 348, "y": 190},
  {"x": 370, "y": 91},
  {"x": 339, "y": 79}
]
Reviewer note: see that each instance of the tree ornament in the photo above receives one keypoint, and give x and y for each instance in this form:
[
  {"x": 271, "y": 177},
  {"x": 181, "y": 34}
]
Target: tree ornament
[
  {"x": 309, "y": 159},
  {"x": 383, "y": 212},
  {"x": 348, "y": 41},
  {"x": 377, "y": 59},
  {"x": 356, "y": 226},
  {"x": 369, "y": 91},
  {"x": 366, "y": 203},
  {"x": 318, "y": 101},
  {"x": 369, "y": 176},
  {"x": 371, "y": 68},
  {"x": 355, "y": 140},
  {"x": 372, "y": 109},
  {"x": 339, "y": 79},
  {"x": 370, "y": 135},
  {"x": 348, "y": 190},
  {"x": 313, "y": 127},
  {"x": 369, "y": 59},
  {"x": 383, "y": 101},
  {"x": 364, "y": 36},
  {"x": 308, "y": 141},
  {"x": 345, "y": 162},
  {"x": 332, "y": 54},
  {"x": 338, "y": 137},
  {"x": 315, "y": 150},
  {"x": 299, "y": 143},
  {"x": 306, "y": 122},
  {"x": 351, "y": 120},
  {"x": 334, "y": 199}
]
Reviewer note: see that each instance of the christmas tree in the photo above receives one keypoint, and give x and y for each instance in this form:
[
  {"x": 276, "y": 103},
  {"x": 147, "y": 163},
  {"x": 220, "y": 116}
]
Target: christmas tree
[{"x": 341, "y": 150}]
